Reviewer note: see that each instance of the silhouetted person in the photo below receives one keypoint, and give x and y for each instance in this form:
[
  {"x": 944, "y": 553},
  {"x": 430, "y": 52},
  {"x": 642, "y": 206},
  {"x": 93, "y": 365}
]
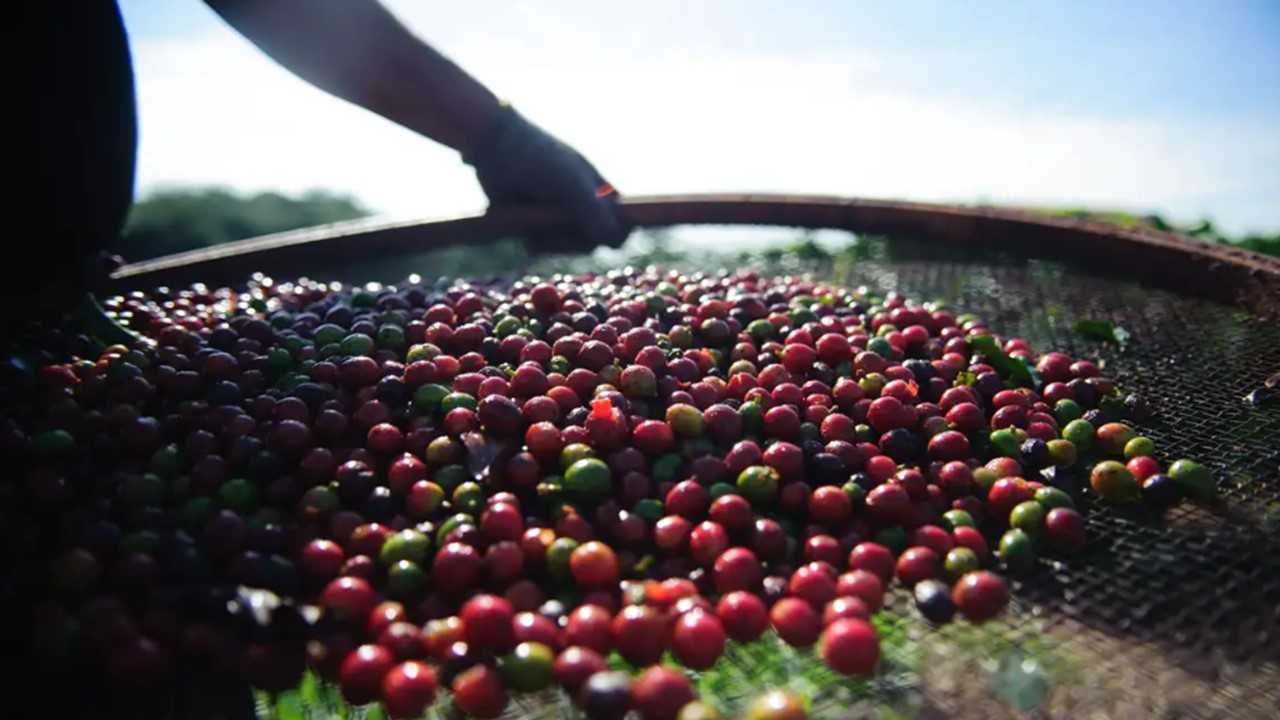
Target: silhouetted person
[{"x": 75, "y": 181}]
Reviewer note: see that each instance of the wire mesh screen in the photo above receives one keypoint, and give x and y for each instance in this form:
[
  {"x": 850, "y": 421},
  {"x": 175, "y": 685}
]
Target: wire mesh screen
[
  {"x": 1159, "y": 617},
  {"x": 1167, "y": 616}
]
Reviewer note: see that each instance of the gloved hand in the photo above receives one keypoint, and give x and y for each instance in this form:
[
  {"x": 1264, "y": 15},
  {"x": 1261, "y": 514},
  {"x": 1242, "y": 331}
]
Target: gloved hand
[{"x": 518, "y": 163}]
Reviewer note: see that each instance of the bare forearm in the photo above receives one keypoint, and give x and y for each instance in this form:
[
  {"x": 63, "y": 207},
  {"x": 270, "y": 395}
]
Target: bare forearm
[{"x": 358, "y": 51}]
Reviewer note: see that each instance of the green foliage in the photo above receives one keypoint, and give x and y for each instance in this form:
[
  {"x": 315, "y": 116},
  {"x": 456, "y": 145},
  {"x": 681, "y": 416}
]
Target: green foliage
[
  {"x": 1015, "y": 368},
  {"x": 748, "y": 670},
  {"x": 170, "y": 221},
  {"x": 1103, "y": 331},
  {"x": 1267, "y": 244},
  {"x": 1205, "y": 230},
  {"x": 1020, "y": 666},
  {"x": 742, "y": 674}
]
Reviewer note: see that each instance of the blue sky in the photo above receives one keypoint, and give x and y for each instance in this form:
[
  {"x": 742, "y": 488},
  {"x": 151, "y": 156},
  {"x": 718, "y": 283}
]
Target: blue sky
[{"x": 1152, "y": 106}]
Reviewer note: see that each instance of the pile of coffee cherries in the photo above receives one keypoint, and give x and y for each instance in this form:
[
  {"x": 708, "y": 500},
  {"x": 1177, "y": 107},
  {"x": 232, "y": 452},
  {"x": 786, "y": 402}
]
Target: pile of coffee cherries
[{"x": 496, "y": 488}]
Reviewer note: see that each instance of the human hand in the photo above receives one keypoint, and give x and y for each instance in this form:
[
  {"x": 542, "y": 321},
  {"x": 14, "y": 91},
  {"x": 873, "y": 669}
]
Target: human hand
[{"x": 518, "y": 163}]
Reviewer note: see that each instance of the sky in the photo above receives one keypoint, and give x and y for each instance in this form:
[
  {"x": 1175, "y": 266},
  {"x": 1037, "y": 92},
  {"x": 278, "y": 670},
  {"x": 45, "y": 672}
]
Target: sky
[{"x": 1166, "y": 106}]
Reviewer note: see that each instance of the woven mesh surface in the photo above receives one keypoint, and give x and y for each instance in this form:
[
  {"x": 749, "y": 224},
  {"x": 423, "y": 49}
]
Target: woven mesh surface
[
  {"x": 1159, "y": 617},
  {"x": 1173, "y": 616},
  {"x": 1162, "y": 617}
]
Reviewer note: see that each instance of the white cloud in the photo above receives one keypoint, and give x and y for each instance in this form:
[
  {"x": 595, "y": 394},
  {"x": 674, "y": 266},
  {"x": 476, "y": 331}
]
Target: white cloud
[{"x": 214, "y": 109}]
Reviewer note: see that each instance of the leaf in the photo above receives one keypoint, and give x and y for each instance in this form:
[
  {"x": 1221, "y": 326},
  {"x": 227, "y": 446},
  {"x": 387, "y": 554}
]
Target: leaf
[
  {"x": 1010, "y": 367},
  {"x": 1103, "y": 331},
  {"x": 1114, "y": 405}
]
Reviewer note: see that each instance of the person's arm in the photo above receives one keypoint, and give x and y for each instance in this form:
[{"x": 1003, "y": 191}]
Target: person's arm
[{"x": 358, "y": 51}]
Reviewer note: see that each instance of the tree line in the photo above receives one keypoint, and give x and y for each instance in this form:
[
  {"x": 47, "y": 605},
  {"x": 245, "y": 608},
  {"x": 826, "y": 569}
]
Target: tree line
[{"x": 178, "y": 219}]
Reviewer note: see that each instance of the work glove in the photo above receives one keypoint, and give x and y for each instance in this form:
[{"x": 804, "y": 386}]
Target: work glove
[{"x": 518, "y": 163}]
